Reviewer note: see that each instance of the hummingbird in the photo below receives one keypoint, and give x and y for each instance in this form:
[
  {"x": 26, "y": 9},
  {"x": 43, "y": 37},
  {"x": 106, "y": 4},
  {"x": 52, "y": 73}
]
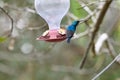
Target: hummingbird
[{"x": 71, "y": 30}]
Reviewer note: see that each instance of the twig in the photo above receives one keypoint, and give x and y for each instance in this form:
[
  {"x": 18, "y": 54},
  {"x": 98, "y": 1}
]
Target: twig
[
  {"x": 73, "y": 16},
  {"x": 97, "y": 26},
  {"x": 110, "y": 48},
  {"x": 83, "y": 34},
  {"x": 11, "y": 19},
  {"x": 36, "y": 28},
  {"x": 88, "y": 30},
  {"x": 82, "y": 21},
  {"x": 88, "y": 10},
  {"x": 89, "y": 4},
  {"x": 92, "y": 3},
  {"x": 116, "y": 58},
  {"x": 88, "y": 17},
  {"x": 20, "y": 9}
]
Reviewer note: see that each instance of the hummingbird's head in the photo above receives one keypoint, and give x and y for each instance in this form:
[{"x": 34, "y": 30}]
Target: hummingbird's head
[{"x": 75, "y": 23}]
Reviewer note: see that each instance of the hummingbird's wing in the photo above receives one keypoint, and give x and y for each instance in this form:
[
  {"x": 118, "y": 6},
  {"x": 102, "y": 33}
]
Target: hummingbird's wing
[{"x": 69, "y": 34}]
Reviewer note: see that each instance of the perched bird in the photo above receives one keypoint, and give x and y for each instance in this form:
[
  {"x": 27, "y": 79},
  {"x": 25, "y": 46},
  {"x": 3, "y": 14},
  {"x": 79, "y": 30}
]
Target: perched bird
[{"x": 71, "y": 30}]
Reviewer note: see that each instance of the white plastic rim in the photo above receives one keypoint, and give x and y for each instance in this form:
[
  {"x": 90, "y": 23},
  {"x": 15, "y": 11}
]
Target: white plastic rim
[{"x": 52, "y": 11}]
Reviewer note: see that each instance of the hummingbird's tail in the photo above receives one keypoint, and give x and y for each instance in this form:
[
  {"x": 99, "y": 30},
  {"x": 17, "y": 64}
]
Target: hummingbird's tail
[{"x": 68, "y": 40}]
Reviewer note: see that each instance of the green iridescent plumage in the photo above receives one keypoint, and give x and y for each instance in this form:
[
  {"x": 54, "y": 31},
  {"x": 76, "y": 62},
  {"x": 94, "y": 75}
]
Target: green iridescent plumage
[{"x": 71, "y": 30}]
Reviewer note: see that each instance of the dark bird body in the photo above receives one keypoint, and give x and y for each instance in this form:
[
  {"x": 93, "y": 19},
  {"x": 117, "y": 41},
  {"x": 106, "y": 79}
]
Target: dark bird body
[{"x": 71, "y": 30}]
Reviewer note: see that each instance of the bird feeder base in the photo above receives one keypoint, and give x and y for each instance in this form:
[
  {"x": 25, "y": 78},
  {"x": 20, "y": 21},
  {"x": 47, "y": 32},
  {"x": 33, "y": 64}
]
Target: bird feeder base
[{"x": 53, "y": 35}]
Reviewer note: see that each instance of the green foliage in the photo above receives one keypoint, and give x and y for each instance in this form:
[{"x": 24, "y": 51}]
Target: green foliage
[
  {"x": 77, "y": 10},
  {"x": 2, "y": 39}
]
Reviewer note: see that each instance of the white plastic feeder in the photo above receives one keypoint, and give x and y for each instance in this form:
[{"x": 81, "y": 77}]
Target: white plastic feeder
[{"x": 52, "y": 11}]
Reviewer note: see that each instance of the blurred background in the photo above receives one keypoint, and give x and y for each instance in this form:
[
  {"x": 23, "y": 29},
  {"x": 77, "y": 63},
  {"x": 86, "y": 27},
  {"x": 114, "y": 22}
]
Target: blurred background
[{"x": 22, "y": 57}]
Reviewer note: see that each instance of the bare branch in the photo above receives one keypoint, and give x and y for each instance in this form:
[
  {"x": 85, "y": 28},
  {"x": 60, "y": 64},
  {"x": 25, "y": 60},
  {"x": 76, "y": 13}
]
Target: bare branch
[
  {"x": 88, "y": 10},
  {"x": 116, "y": 58},
  {"x": 110, "y": 48},
  {"x": 11, "y": 19},
  {"x": 72, "y": 16},
  {"x": 88, "y": 31},
  {"x": 97, "y": 27}
]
